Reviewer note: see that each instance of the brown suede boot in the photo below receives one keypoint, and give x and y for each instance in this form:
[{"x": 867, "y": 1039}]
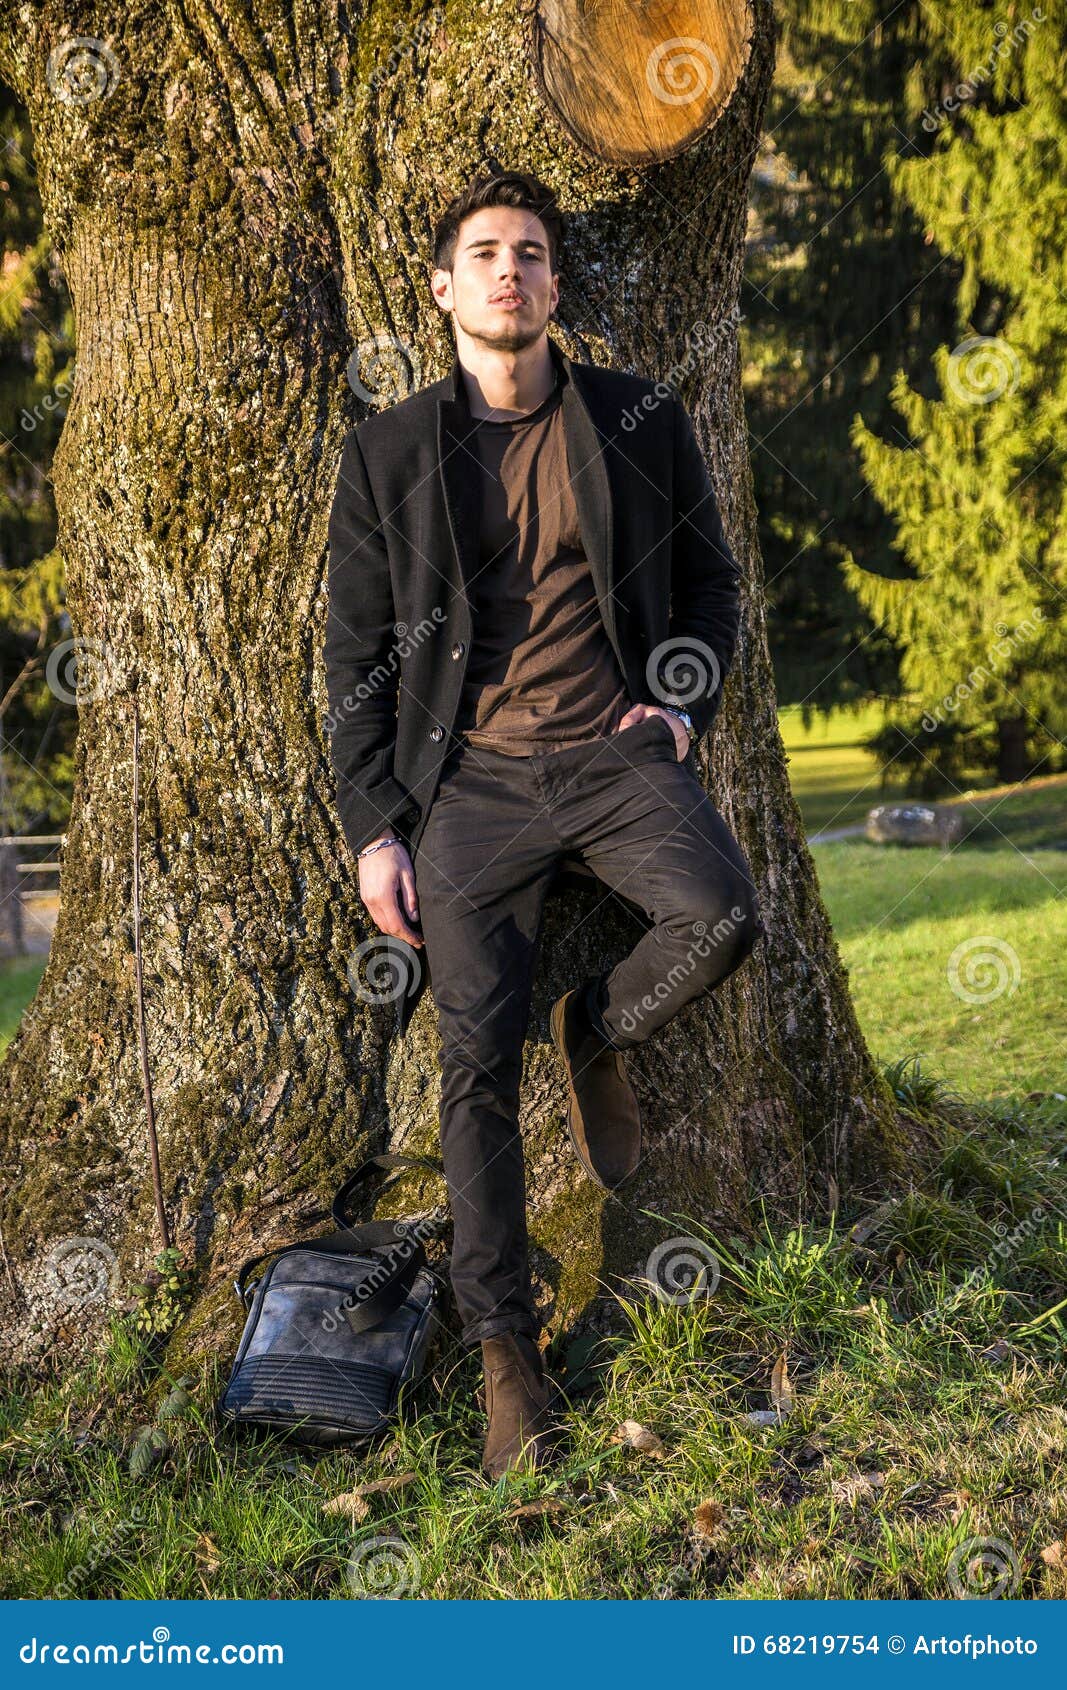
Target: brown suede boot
[
  {"x": 603, "y": 1117},
  {"x": 519, "y": 1401}
]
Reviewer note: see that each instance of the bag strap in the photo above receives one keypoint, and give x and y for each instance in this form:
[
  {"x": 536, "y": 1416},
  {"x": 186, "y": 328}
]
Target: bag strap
[
  {"x": 384, "y": 1161},
  {"x": 398, "y": 1275}
]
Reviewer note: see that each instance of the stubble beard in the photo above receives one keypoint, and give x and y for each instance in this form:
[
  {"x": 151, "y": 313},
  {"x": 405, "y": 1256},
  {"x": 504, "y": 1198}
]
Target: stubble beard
[{"x": 508, "y": 339}]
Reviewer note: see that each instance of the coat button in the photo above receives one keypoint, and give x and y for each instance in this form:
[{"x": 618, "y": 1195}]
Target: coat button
[
  {"x": 458, "y": 649},
  {"x": 437, "y": 733}
]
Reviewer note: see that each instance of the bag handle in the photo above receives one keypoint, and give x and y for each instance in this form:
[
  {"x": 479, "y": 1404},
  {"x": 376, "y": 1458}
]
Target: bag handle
[
  {"x": 398, "y": 1275},
  {"x": 385, "y": 1160}
]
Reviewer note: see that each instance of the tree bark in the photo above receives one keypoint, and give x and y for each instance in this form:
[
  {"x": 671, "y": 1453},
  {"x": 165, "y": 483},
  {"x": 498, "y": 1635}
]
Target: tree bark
[{"x": 234, "y": 205}]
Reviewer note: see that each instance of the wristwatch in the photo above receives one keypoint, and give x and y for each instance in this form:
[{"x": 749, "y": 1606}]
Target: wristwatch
[{"x": 683, "y": 716}]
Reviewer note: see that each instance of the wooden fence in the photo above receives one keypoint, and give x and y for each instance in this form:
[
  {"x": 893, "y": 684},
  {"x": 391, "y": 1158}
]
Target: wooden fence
[{"x": 22, "y": 882}]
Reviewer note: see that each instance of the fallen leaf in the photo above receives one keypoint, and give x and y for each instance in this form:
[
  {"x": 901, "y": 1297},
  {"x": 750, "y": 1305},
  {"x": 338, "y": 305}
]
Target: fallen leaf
[
  {"x": 869, "y": 1223},
  {"x": 856, "y": 1485},
  {"x": 207, "y": 1553},
  {"x": 782, "y": 1387},
  {"x": 630, "y": 1432},
  {"x": 1053, "y": 1556},
  {"x": 708, "y": 1519},
  {"x": 540, "y": 1505},
  {"x": 351, "y": 1503},
  {"x": 394, "y": 1482},
  {"x": 996, "y": 1353}
]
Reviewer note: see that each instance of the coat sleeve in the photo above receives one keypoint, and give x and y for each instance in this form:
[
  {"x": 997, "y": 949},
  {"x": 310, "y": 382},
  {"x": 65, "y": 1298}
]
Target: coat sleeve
[
  {"x": 361, "y": 660},
  {"x": 705, "y": 585}
]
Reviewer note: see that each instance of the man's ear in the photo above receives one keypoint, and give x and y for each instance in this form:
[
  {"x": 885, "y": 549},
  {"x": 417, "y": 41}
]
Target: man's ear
[{"x": 440, "y": 278}]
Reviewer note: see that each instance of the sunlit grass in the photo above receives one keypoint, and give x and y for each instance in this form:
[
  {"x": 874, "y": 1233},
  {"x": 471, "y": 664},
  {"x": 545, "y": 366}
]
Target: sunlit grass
[
  {"x": 914, "y": 928},
  {"x": 849, "y": 1409}
]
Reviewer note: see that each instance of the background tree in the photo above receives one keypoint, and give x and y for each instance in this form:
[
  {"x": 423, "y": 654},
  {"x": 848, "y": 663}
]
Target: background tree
[
  {"x": 37, "y": 728},
  {"x": 977, "y": 493},
  {"x": 842, "y": 289},
  {"x": 237, "y": 198}
]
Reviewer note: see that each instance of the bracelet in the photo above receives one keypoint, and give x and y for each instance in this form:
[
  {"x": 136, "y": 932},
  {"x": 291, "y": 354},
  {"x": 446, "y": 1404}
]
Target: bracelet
[{"x": 369, "y": 848}]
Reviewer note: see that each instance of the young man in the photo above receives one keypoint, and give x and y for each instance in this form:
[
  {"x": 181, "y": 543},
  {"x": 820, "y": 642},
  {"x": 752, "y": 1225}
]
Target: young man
[{"x": 542, "y": 539}]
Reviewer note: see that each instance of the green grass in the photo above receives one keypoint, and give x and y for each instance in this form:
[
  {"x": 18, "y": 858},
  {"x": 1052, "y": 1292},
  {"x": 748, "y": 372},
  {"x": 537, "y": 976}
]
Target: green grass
[
  {"x": 923, "y": 1412},
  {"x": 19, "y": 980},
  {"x": 834, "y": 780},
  {"x": 924, "y": 1343},
  {"x": 1032, "y": 818},
  {"x": 899, "y": 916}
]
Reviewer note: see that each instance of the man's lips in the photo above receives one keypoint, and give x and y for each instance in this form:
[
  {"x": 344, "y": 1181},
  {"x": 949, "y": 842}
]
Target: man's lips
[{"x": 512, "y": 299}]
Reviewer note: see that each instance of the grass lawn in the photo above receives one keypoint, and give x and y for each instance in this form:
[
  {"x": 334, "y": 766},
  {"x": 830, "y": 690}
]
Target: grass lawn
[
  {"x": 996, "y": 1027},
  {"x": 873, "y": 1413},
  {"x": 868, "y": 1409},
  {"x": 834, "y": 780},
  {"x": 18, "y": 982}
]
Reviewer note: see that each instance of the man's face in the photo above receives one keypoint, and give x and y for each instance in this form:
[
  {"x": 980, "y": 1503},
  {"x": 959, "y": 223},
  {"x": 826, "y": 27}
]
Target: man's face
[{"x": 501, "y": 252}]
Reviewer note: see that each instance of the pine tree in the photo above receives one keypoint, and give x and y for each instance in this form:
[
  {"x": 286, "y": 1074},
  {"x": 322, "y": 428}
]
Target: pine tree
[
  {"x": 976, "y": 490},
  {"x": 844, "y": 291},
  {"x": 37, "y": 724}
]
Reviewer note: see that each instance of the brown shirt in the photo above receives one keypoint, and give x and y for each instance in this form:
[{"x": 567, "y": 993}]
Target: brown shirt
[{"x": 542, "y": 673}]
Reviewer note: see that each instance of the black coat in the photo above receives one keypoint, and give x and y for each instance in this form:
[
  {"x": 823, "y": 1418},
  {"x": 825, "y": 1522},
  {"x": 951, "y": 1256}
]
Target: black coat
[{"x": 403, "y": 538}]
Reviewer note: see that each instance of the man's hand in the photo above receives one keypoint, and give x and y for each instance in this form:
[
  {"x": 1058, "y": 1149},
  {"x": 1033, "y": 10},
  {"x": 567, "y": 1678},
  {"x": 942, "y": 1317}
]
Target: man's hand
[
  {"x": 638, "y": 712},
  {"x": 387, "y": 887}
]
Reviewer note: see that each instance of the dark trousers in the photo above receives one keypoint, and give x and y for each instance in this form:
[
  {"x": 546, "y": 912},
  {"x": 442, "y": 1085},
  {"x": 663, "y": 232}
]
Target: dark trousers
[{"x": 496, "y": 832}]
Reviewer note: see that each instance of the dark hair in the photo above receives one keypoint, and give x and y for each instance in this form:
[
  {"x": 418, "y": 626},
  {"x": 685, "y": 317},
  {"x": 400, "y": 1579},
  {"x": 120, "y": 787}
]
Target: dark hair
[{"x": 507, "y": 187}]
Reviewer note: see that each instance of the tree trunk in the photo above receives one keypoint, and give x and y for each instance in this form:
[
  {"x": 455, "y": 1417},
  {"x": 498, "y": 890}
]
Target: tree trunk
[
  {"x": 1012, "y": 760},
  {"x": 234, "y": 207}
]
